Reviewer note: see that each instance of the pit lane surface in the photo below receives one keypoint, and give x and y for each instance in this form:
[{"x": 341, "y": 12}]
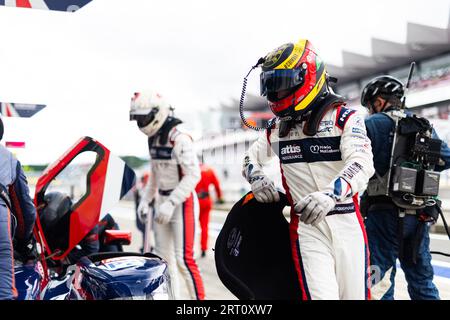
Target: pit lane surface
[{"x": 125, "y": 217}]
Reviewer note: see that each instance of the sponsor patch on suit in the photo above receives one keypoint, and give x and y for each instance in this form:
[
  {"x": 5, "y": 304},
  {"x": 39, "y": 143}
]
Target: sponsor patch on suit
[{"x": 310, "y": 150}]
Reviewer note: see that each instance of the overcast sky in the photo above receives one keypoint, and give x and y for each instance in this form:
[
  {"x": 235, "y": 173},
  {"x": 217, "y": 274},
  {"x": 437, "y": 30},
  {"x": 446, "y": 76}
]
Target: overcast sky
[{"x": 86, "y": 65}]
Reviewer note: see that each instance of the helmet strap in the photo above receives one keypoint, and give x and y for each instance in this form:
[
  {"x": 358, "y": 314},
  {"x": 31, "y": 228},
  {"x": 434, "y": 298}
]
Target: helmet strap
[{"x": 386, "y": 101}]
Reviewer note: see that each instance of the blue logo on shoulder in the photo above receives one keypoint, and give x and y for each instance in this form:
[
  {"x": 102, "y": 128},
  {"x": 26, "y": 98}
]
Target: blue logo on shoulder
[{"x": 356, "y": 130}]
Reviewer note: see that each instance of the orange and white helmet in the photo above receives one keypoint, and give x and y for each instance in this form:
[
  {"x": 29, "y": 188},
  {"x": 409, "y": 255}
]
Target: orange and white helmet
[{"x": 150, "y": 110}]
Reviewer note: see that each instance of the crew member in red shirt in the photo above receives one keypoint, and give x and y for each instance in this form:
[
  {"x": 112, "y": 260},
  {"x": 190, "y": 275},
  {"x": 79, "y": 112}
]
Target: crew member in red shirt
[{"x": 208, "y": 177}]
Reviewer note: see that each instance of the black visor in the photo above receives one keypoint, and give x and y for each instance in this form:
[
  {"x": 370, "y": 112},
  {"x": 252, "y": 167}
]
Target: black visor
[
  {"x": 144, "y": 119},
  {"x": 281, "y": 79}
]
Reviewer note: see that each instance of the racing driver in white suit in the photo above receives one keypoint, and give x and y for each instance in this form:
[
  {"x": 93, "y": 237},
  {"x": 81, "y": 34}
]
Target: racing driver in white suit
[
  {"x": 174, "y": 174},
  {"x": 325, "y": 160}
]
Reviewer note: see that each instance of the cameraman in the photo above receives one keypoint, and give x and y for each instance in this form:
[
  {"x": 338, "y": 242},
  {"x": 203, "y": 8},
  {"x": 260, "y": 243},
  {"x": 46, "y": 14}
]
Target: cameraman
[{"x": 391, "y": 237}]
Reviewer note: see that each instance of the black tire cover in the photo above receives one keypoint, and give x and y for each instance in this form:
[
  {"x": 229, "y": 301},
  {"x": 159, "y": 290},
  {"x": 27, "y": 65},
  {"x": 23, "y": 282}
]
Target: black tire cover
[{"x": 253, "y": 252}]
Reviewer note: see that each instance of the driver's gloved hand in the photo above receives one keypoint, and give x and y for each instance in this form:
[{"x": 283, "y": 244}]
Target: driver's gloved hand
[
  {"x": 143, "y": 209},
  {"x": 264, "y": 189},
  {"x": 313, "y": 208},
  {"x": 165, "y": 212}
]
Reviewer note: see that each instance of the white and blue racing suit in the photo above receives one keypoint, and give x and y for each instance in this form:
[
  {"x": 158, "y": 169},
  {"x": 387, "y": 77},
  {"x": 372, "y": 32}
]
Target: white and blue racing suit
[{"x": 332, "y": 257}]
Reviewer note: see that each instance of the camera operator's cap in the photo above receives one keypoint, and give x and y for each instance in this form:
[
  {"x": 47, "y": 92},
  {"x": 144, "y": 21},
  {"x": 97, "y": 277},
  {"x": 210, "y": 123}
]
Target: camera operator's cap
[{"x": 292, "y": 77}]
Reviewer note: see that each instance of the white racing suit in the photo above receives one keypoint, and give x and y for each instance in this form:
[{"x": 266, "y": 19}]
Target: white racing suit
[
  {"x": 331, "y": 258},
  {"x": 174, "y": 174}
]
